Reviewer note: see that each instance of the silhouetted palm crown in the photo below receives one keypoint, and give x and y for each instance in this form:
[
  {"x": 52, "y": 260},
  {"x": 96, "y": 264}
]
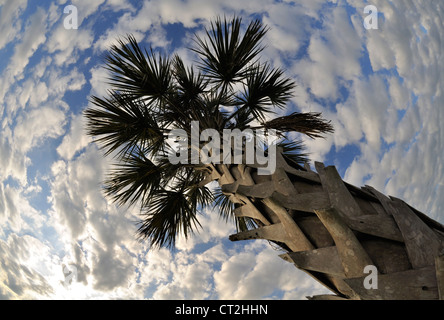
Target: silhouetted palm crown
[{"x": 152, "y": 94}]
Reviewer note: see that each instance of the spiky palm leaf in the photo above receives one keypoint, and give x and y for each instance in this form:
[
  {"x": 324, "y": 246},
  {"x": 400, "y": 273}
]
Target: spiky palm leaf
[
  {"x": 310, "y": 124},
  {"x": 152, "y": 94},
  {"x": 264, "y": 89},
  {"x": 122, "y": 124},
  {"x": 226, "y": 55},
  {"x": 142, "y": 74}
]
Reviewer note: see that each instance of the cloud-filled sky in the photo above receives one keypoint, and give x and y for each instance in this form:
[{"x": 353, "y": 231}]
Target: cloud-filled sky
[{"x": 381, "y": 88}]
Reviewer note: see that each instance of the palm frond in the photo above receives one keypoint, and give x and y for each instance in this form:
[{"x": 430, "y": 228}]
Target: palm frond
[
  {"x": 245, "y": 224},
  {"x": 226, "y": 211},
  {"x": 308, "y": 123},
  {"x": 123, "y": 124},
  {"x": 134, "y": 178},
  {"x": 140, "y": 74},
  {"x": 241, "y": 119},
  {"x": 173, "y": 210},
  {"x": 293, "y": 151},
  {"x": 189, "y": 184},
  {"x": 227, "y": 55},
  {"x": 212, "y": 104},
  {"x": 265, "y": 89},
  {"x": 189, "y": 83},
  {"x": 225, "y": 206},
  {"x": 167, "y": 215}
]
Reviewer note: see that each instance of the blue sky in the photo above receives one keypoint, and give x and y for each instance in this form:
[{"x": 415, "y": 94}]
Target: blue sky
[{"x": 381, "y": 88}]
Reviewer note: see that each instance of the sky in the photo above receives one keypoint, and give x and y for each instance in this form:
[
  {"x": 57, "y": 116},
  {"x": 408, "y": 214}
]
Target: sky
[{"x": 60, "y": 238}]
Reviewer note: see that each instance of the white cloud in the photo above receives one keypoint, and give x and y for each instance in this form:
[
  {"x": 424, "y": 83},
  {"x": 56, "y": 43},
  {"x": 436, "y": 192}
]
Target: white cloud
[
  {"x": 155, "y": 13},
  {"x": 75, "y": 140},
  {"x": 74, "y": 189},
  {"x": 126, "y": 24},
  {"x": 117, "y": 5},
  {"x": 31, "y": 91},
  {"x": 112, "y": 268},
  {"x": 34, "y": 36},
  {"x": 213, "y": 228},
  {"x": 19, "y": 279},
  {"x": 87, "y": 7},
  {"x": 98, "y": 81},
  {"x": 333, "y": 56},
  {"x": 158, "y": 266},
  {"x": 411, "y": 168},
  {"x": 59, "y": 83},
  {"x": 257, "y": 272},
  {"x": 191, "y": 280},
  {"x": 80, "y": 214},
  {"x": 157, "y": 38},
  {"x": 184, "y": 274},
  {"x": 12, "y": 162},
  {"x": 380, "y": 54},
  {"x": 10, "y": 25},
  {"x": 66, "y": 44},
  {"x": 30, "y": 130}
]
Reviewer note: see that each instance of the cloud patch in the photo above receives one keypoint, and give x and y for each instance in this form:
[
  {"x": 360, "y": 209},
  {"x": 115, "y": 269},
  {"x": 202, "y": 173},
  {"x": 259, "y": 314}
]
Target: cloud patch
[{"x": 382, "y": 89}]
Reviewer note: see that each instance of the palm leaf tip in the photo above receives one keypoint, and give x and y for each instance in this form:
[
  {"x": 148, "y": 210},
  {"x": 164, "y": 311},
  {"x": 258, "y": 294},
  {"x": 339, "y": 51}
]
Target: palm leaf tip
[
  {"x": 123, "y": 124},
  {"x": 294, "y": 151},
  {"x": 135, "y": 178},
  {"x": 169, "y": 214},
  {"x": 173, "y": 210},
  {"x": 308, "y": 123},
  {"x": 226, "y": 55},
  {"x": 142, "y": 74}
]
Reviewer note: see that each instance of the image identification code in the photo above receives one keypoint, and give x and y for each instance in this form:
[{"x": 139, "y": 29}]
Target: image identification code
[{"x": 224, "y": 309}]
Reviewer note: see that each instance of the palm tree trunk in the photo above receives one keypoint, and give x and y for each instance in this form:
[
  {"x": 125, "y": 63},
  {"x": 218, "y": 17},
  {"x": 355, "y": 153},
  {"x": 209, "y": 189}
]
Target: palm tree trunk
[{"x": 333, "y": 231}]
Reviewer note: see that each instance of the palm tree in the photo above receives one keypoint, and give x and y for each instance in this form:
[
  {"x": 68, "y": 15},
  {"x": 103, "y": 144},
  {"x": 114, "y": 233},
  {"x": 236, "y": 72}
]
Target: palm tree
[{"x": 328, "y": 228}]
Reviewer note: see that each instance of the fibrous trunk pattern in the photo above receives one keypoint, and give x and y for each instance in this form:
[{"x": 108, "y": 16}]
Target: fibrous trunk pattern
[{"x": 332, "y": 230}]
